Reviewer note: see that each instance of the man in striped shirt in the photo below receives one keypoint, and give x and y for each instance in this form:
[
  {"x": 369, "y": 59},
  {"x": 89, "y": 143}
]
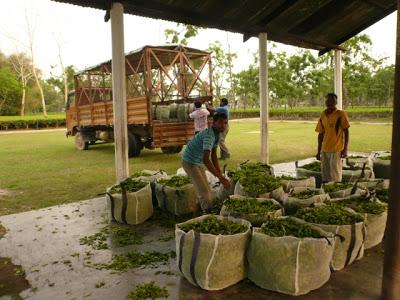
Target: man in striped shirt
[{"x": 201, "y": 153}]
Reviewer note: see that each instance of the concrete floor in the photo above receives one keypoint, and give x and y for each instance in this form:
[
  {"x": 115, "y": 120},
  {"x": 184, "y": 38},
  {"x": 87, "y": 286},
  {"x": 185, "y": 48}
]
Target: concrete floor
[{"x": 46, "y": 244}]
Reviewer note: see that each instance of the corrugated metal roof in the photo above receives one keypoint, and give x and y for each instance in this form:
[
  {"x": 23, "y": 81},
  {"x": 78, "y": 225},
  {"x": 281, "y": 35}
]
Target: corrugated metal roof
[{"x": 316, "y": 24}]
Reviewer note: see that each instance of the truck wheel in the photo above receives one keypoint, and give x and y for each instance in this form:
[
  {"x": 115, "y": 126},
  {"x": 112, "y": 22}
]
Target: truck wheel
[
  {"x": 80, "y": 144},
  {"x": 135, "y": 145},
  {"x": 171, "y": 150}
]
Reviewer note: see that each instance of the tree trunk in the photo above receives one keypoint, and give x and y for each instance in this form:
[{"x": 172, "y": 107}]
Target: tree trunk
[
  {"x": 22, "y": 112},
  {"x": 40, "y": 90}
]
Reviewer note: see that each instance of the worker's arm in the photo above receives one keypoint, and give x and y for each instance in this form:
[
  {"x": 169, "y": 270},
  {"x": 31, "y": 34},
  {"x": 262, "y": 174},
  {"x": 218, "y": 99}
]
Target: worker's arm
[
  {"x": 214, "y": 169},
  {"x": 343, "y": 154},
  {"x": 320, "y": 139}
]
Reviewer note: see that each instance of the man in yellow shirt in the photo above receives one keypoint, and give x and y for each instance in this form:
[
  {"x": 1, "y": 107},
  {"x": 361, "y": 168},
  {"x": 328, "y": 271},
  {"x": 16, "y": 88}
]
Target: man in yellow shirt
[{"x": 333, "y": 139}]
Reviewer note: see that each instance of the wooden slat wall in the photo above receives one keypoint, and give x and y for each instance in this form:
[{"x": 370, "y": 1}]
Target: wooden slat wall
[
  {"x": 101, "y": 113},
  {"x": 167, "y": 134}
]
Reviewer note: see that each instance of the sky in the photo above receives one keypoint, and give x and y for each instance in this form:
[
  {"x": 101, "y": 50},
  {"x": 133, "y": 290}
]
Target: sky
[{"x": 85, "y": 38}]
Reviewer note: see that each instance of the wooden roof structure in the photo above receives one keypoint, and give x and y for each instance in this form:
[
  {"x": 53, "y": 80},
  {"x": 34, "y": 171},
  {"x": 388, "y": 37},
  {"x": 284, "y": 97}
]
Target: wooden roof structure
[{"x": 317, "y": 24}]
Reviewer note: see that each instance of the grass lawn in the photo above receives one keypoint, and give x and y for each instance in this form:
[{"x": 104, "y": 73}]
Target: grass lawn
[{"x": 44, "y": 169}]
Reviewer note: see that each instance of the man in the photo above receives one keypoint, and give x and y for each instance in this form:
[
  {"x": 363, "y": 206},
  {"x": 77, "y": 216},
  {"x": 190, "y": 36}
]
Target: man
[
  {"x": 202, "y": 151},
  {"x": 333, "y": 139},
  {"x": 200, "y": 117},
  {"x": 223, "y": 108}
]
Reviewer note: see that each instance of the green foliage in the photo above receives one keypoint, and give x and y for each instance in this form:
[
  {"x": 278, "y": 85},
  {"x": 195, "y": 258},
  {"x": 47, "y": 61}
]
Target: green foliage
[
  {"x": 121, "y": 236},
  {"x": 361, "y": 205},
  {"x": 10, "y": 92},
  {"x": 129, "y": 185},
  {"x": 305, "y": 194},
  {"x": 383, "y": 195},
  {"x": 328, "y": 215},
  {"x": 256, "y": 185},
  {"x": 289, "y": 227},
  {"x": 135, "y": 259},
  {"x": 181, "y": 34},
  {"x": 385, "y": 157},
  {"x": 140, "y": 173},
  {"x": 314, "y": 166},
  {"x": 148, "y": 291},
  {"x": 175, "y": 181},
  {"x": 337, "y": 186},
  {"x": 250, "y": 206},
  {"x": 250, "y": 169},
  {"x": 213, "y": 225}
]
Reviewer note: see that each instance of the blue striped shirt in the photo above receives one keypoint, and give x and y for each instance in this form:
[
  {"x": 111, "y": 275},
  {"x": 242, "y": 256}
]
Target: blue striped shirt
[{"x": 204, "y": 140}]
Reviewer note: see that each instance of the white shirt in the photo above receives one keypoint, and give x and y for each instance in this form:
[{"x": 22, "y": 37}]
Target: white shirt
[{"x": 200, "y": 118}]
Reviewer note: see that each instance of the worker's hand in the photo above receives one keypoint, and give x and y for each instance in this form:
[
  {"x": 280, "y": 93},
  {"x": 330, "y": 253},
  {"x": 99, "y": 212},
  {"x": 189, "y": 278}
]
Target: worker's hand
[
  {"x": 343, "y": 154},
  {"x": 225, "y": 182},
  {"x": 318, "y": 156}
]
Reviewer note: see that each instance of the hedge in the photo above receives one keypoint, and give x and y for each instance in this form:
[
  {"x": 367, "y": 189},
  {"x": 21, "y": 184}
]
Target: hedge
[{"x": 303, "y": 113}]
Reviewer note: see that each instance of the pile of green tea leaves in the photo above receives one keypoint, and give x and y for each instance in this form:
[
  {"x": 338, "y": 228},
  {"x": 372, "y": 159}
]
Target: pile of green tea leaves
[
  {"x": 128, "y": 185},
  {"x": 250, "y": 169},
  {"x": 328, "y": 215},
  {"x": 121, "y": 236},
  {"x": 135, "y": 259},
  {"x": 382, "y": 195},
  {"x": 291, "y": 178},
  {"x": 256, "y": 185},
  {"x": 288, "y": 227},
  {"x": 352, "y": 168},
  {"x": 250, "y": 206},
  {"x": 148, "y": 291},
  {"x": 337, "y": 186},
  {"x": 175, "y": 181},
  {"x": 385, "y": 157},
  {"x": 141, "y": 173},
  {"x": 305, "y": 194},
  {"x": 314, "y": 166},
  {"x": 213, "y": 225},
  {"x": 361, "y": 205}
]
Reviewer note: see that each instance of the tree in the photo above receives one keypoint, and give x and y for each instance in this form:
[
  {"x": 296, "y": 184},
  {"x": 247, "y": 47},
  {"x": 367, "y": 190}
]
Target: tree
[
  {"x": 10, "y": 90},
  {"x": 222, "y": 62},
  {"x": 181, "y": 34},
  {"x": 22, "y": 66}
]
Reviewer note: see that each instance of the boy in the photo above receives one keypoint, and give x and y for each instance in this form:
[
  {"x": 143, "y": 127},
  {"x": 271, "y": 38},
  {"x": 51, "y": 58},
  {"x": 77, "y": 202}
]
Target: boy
[{"x": 200, "y": 117}]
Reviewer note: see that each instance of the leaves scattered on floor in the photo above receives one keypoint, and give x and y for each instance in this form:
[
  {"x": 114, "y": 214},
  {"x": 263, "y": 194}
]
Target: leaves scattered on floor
[
  {"x": 3, "y": 231},
  {"x": 120, "y": 236},
  {"x": 135, "y": 259},
  {"x": 148, "y": 291}
]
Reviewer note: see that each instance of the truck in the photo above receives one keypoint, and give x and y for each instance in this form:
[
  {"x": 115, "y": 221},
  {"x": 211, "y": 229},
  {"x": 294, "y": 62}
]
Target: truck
[{"x": 162, "y": 84}]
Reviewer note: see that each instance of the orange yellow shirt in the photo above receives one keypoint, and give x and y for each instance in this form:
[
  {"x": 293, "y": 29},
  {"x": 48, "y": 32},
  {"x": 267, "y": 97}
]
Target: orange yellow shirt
[{"x": 332, "y": 127}]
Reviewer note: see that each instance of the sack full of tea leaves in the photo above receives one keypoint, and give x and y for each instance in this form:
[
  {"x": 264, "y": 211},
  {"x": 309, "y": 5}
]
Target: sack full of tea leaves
[
  {"x": 359, "y": 161},
  {"x": 382, "y": 167},
  {"x": 289, "y": 256},
  {"x": 289, "y": 183},
  {"x": 379, "y": 183},
  {"x": 347, "y": 226},
  {"x": 130, "y": 202},
  {"x": 310, "y": 170},
  {"x": 173, "y": 111},
  {"x": 254, "y": 210},
  {"x": 340, "y": 190},
  {"x": 176, "y": 194},
  {"x": 303, "y": 197},
  {"x": 183, "y": 112},
  {"x": 150, "y": 176},
  {"x": 352, "y": 174},
  {"x": 260, "y": 187},
  {"x": 375, "y": 216},
  {"x": 211, "y": 250}
]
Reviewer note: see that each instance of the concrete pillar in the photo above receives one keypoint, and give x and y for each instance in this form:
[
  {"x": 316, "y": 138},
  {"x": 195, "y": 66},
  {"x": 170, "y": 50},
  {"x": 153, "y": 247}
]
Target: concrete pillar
[
  {"x": 263, "y": 76},
  {"x": 338, "y": 78},
  {"x": 391, "y": 266},
  {"x": 119, "y": 91}
]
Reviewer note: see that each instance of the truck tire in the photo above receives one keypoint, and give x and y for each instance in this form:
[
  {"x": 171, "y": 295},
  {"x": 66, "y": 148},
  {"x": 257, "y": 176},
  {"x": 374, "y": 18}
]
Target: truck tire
[
  {"x": 135, "y": 145},
  {"x": 171, "y": 150},
  {"x": 80, "y": 144}
]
